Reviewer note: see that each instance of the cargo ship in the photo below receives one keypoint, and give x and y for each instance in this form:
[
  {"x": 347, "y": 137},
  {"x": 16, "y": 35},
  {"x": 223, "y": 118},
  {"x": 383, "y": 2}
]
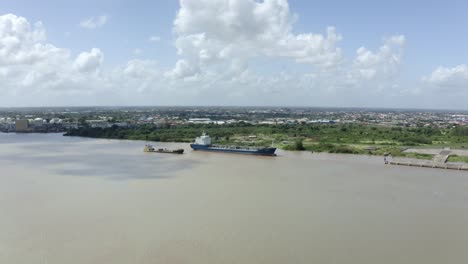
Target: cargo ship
[
  {"x": 150, "y": 148},
  {"x": 203, "y": 143}
]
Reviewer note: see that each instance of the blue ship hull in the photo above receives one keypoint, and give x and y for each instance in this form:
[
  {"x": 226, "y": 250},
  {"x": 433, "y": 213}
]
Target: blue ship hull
[{"x": 239, "y": 150}]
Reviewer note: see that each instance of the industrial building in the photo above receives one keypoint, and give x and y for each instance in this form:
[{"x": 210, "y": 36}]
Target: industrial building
[{"x": 22, "y": 125}]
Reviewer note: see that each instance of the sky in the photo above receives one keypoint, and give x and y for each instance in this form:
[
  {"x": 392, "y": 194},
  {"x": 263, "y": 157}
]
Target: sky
[{"x": 396, "y": 54}]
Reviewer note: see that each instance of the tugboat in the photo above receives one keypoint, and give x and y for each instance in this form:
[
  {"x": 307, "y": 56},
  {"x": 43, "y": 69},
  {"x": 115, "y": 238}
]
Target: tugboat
[
  {"x": 204, "y": 143},
  {"x": 150, "y": 148}
]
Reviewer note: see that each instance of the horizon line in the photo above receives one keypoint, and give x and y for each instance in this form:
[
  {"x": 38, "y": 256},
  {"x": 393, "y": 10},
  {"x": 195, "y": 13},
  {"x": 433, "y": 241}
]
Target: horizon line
[{"x": 236, "y": 106}]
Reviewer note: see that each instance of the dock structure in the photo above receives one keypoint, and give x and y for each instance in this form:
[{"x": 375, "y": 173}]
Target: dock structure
[
  {"x": 430, "y": 165},
  {"x": 439, "y": 161},
  {"x": 442, "y": 157}
]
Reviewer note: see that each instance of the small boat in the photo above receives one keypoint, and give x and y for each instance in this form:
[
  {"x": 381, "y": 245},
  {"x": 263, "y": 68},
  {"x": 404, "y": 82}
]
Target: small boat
[{"x": 150, "y": 148}]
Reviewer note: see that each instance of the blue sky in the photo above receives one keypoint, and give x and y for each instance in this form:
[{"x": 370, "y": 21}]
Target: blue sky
[{"x": 414, "y": 53}]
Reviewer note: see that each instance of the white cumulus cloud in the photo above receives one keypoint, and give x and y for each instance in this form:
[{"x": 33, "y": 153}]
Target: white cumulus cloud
[
  {"x": 145, "y": 69},
  {"x": 23, "y": 44},
  {"x": 228, "y": 33},
  {"x": 443, "y": 77},
  {"x": 35, "y": 72},
  {"x": 383, "y": 63},
  {"x": 94, "y": 22},
  {"x": 377, "y": 72},
  {"x": 182, "y": 69},
  {"x": 89, "y": 61},
  {"x": 26, "y": 60},
  {"x": 32, "y": 67}
]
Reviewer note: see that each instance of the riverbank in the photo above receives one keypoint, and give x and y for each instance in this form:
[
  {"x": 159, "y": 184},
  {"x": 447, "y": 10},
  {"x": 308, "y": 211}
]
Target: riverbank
[{"x": 337, "y": 138}]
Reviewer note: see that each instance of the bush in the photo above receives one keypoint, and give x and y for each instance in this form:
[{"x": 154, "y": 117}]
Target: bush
[
  {"x": 344, "y": 149},
  {"x": 298, "y": 145}
]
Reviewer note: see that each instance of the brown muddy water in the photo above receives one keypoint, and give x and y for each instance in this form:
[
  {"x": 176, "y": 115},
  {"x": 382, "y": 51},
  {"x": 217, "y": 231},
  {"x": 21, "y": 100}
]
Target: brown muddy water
[{"x": 75, "y": 200}]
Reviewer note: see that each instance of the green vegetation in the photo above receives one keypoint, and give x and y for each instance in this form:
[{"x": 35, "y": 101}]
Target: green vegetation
[
  {"x": 333, "y": 138},
  {"x": 460, "y": 131},
  {"x": 418, "y": 156},
  {"x": 335, "y": 148},
  {"x": 298, "y": 145},
  {"x": 456, "y": 158}
]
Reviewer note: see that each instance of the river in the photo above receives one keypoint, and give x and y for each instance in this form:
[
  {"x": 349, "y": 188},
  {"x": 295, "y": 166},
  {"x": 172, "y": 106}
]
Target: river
[{"x": 76, "y": 200}]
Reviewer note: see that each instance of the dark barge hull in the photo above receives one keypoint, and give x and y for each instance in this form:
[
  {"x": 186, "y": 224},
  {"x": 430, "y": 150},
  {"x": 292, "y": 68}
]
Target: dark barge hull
[
  {"x": 260, "y": 151},
  {"x": 177, "y": 151}
]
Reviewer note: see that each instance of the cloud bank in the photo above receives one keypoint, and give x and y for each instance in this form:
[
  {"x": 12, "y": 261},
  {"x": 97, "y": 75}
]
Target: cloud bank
[
  {"x": 444, "y": 78},
  {"x": 218, "y": 44},
  {"x": 228, "y": 34}
]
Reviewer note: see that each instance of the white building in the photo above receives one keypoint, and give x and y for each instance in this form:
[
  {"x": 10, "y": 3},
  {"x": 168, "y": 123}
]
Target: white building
[
  {"x": 38, "y": 122},
  {"x": 200, "y": 120}
]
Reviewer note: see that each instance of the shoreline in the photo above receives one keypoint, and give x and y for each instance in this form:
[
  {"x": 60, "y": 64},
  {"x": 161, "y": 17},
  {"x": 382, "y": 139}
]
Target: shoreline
[
  {"x": 392, "y": 160},
  {"x": 282, "y": 148}
]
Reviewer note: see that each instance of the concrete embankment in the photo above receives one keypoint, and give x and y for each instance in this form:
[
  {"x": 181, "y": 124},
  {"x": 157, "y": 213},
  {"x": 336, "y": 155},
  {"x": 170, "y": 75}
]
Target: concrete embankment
[
  {"x": 439, "y": 161},
  {"x": 430, "y": 165}
]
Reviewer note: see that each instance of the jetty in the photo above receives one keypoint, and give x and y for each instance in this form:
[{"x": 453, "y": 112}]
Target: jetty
[{"x": 439, "y": 161}]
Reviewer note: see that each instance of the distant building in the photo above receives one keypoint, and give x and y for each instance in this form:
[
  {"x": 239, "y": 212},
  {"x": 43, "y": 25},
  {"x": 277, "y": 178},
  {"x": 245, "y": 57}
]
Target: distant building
[
  {"x": 55, "y": 121},
  {"x": 99, "y": 123},
  {"x": 21, "y": 125},
  {"x": 70, "y": 125},
  {"x": 200, "y": 120},
  {"x": 322, "y": 121},
  {"x": 121, "y": 124},
  {"x": 38, "y": 122}
]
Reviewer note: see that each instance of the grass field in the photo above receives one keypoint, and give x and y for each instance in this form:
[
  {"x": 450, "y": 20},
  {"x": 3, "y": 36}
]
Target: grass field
[{"x": 456, "y": 158}]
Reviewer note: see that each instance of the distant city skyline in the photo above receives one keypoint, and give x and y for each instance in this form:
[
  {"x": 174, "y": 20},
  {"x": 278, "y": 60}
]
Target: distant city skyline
[{"x": 234, "y": 52}]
